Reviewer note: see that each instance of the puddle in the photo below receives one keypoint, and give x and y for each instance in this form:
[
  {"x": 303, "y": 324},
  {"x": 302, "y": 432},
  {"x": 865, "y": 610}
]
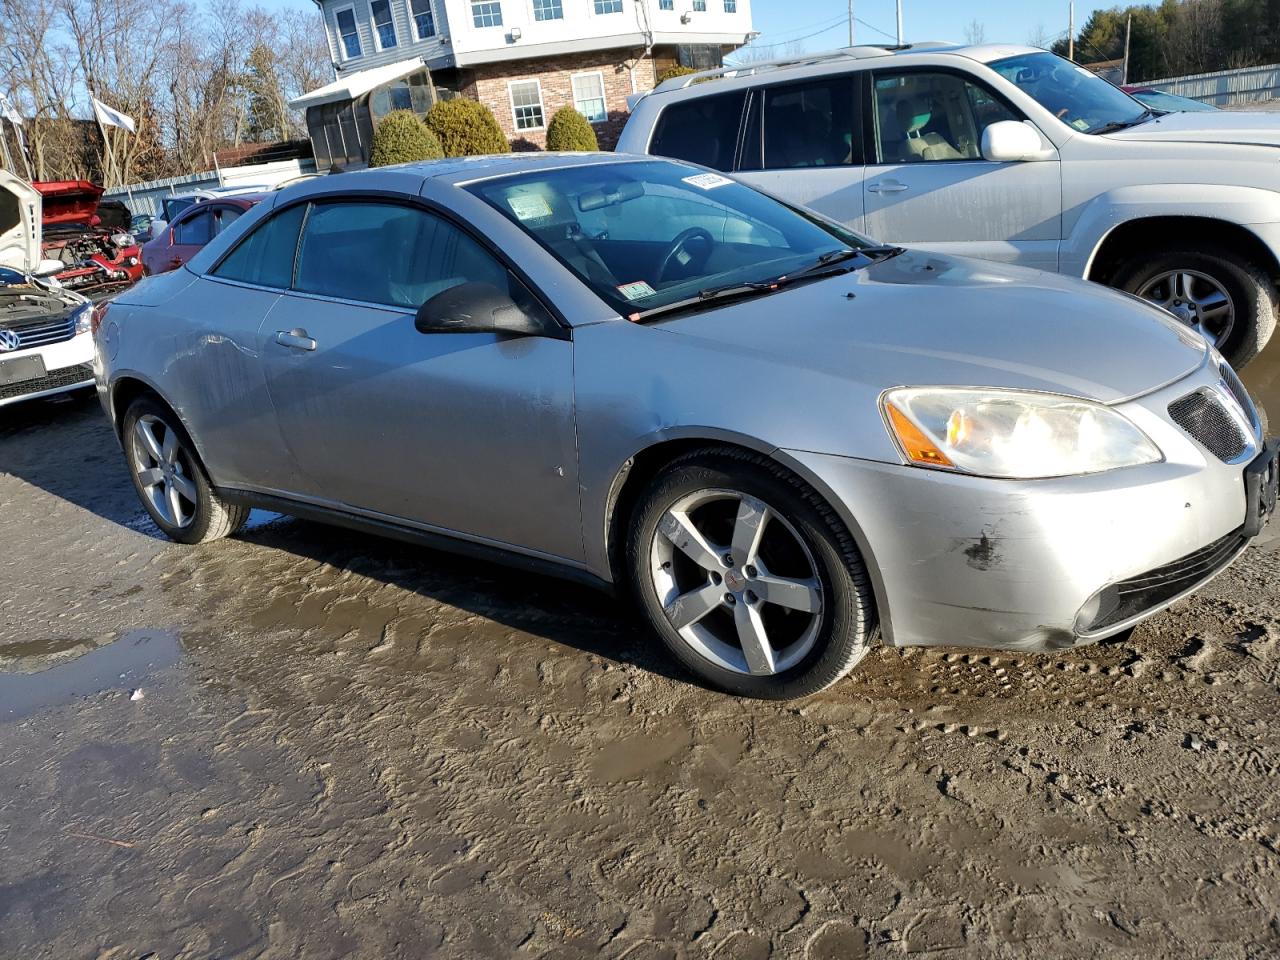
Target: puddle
[
  {"x": 121, "y": 666},
  {"x": 142, "y": 523}
]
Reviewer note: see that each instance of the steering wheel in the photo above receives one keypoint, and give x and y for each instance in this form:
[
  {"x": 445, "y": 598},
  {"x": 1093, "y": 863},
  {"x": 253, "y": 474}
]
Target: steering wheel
[{"x": 688, "y": 252}]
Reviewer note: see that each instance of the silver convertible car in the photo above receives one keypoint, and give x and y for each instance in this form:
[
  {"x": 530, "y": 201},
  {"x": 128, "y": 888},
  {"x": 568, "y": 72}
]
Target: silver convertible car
[{"x": 784, "y": 440}]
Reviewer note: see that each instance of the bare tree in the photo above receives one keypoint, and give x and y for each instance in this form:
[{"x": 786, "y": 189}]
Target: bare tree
[
  {"x": 975, "y": 32},
  {"x": 1039, "y": 37}
]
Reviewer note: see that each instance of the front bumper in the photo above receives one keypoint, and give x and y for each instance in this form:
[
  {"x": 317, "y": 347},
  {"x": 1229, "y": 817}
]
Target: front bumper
[
  {"x": 1036, "y": 565},
  {"x": 68, "y": 366}
]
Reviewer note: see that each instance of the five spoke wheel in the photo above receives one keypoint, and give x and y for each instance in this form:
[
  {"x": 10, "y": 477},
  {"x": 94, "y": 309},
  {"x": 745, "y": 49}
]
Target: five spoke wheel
[
  {"x": 161, "y": 469},
  {"x": 736, "y": 582},
  {"x": 1196, "y": 299}
]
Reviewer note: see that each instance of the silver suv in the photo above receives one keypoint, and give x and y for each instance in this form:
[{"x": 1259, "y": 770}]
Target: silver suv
[{"x": 1006, "y": 153}]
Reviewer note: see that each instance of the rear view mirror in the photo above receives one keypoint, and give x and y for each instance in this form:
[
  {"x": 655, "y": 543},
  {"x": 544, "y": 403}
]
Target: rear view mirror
[
  {"x": 476, "y": 308},
  {"x": 595, "y": 199},
  {"x": 1011, "y": 140}
]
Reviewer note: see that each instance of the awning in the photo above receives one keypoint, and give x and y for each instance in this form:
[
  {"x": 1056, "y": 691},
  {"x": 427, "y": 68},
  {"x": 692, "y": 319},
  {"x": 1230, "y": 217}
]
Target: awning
[{"x": 356, "y": 84}]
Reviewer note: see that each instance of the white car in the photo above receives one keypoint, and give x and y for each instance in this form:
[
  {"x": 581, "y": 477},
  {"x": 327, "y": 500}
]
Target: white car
[
  {"x": 45, "y": 346},
  {"x": 1006, "y": 153}
]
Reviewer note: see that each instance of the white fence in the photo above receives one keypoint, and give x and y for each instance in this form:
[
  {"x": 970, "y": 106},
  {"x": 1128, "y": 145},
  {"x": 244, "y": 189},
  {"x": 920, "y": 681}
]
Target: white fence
[
  {"x": 146, "y": 197},
  {"x": 1224, "y": 88}
]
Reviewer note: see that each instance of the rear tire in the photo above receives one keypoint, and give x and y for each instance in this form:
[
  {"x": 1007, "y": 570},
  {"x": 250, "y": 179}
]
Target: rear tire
[
  {"x": 169, "y": 478},
  {"x": 1251, "y": 291},
  {"x": 784, "y": 621}
]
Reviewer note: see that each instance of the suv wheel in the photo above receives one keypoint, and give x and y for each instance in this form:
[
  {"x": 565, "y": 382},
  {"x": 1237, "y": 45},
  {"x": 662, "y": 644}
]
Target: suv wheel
[
  {"x": 749, "y": 578},
  {"x": 1227, "y": 298},
  {"x": 170, "y": 479}
]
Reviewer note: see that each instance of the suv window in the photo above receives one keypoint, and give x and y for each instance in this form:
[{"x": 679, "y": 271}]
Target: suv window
[
  {"x": 196, "y": 230},
  {"x": 265, "y": 256},
  {"x": 922, "y": 116},
  {"x": 813, "y": 124},
  {"x": 388, "y": 253},
  {"x": 703, "y": 130}
]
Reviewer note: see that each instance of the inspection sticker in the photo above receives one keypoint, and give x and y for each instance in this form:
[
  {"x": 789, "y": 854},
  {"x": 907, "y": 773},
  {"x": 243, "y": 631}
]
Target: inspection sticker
[
  {"x": 636, "y": 291},
  {"x": 529, "y": 206},
  {"x": 707, "y": 181}
]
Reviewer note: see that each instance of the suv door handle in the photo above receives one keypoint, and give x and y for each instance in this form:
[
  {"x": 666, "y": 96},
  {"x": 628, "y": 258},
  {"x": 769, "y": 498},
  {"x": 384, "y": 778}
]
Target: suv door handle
[
  {"x": 296, "y": 338},
  {"x": 886, "y": 186}
]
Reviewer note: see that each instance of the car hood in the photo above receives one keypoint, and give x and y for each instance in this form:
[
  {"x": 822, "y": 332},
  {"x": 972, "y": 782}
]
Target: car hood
[
  {"x": 69, "y": 201},
  {"x": 19, "y": 223},
  {"x": 924, "y": 319},
  {"x": 1223, "y": 126}
]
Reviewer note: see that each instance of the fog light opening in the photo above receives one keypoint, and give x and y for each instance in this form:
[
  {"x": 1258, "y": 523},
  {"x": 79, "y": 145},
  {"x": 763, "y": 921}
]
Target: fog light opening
[{"x": 1097, "y": 608}]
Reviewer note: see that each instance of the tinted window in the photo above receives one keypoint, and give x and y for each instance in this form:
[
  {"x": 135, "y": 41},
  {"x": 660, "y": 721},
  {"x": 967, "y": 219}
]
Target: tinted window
[
  {"x": 265, "y": 256},
  {"x": 174, "y": 206},
  {"x": 812, "y": 124},
  {"x": 196, "y": 230},
  {"x": 702, "y": 131},
  {"x": 227, "y": 216},
  {"x": 386, "y": 253},
  {"x": 932, "y": 116}
]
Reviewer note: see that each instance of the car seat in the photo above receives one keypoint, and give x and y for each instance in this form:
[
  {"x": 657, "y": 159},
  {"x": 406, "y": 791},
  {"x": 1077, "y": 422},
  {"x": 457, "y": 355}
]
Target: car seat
[{"x": 914, "y": 113}]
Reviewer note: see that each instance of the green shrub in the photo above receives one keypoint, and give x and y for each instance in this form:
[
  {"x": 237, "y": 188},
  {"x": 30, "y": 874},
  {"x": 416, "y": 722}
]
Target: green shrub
[
  {"x": 672, "y": 72},
  {"x": 466, "y": 127},
  {"x": 569, "y": 130},
  {"x": 401, "y": 137}
]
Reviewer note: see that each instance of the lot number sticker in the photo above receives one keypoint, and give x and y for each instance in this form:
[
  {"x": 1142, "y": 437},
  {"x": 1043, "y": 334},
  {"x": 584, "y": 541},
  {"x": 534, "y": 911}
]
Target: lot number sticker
[
  {"x": 529, "y": 206},
  {"x": 636, "y": 291},
  {"x": 707, "y": 181}
]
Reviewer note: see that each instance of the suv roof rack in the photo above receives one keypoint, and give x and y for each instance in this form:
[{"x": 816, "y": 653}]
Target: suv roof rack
[{"x": 859, "y": 52}]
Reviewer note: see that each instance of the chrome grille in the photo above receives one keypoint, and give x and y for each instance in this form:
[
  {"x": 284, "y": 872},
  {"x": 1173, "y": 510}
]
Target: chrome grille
[
  {"x": 1206, "y": 418},
  {"x": 43, "y": 331}
]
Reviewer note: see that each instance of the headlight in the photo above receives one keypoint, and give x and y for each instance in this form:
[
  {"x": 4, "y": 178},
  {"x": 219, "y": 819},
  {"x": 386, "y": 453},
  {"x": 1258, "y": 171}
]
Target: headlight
[
  {"x": 84, "y": 318},
  {"x": 1012, "y": 434}
]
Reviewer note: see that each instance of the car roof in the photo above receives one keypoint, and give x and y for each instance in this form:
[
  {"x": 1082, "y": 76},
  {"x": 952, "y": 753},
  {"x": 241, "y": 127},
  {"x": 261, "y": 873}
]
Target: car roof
[{"x": 708, "y": 82}]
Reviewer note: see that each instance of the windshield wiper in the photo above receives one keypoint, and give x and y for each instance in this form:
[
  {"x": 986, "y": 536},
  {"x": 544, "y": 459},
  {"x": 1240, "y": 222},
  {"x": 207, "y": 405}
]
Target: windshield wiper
[{"x": 1114, "y": 125}]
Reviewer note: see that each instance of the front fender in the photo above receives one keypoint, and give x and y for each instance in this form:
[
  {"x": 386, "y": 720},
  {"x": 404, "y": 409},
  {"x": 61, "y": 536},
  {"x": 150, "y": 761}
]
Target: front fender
[{"x": 1088, "y": 225}]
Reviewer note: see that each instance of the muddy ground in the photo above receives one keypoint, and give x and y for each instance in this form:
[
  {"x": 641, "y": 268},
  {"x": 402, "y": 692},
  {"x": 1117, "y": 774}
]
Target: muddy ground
[{"x": 303, "y": 743}]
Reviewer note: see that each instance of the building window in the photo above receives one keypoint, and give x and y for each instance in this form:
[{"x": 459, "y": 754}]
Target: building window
[
  {"x": 730, "y": 6},
  {"x": 424, "y": 18},
  {"x": 666, "y": 4},
  {"x": 486, "y": 13},
  {"x": 608, "y": 6},
  {"x": 526, "y": 104},
  {"x": 548, "y": 10},
  {"x": 349, "y": 39},
  {"x": 588, "y": 96},
  {"x": 384, "y": 31},
  {"x": 699, "y": 6}
]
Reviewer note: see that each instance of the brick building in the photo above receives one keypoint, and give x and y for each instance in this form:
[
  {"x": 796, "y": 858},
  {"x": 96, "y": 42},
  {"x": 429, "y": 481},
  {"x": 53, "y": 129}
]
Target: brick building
[{"x": 524, "y": 59}]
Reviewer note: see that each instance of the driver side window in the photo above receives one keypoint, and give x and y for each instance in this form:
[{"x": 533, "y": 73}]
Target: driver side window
[{"x": 927, "y": 117}]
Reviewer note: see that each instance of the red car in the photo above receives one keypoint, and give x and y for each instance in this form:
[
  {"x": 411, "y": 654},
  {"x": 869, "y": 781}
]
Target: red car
[
  {"x": 98, "y": 258},
  {"x": 179, "y": 241}
]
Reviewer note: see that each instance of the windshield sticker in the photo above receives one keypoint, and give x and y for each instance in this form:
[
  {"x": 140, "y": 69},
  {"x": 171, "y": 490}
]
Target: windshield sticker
[
  {"x": 706, "y": 181},
  {"x": 1080, "y": 123},
  {"x": 529, "y": 206},
  {"x": 636, "y": 291}
]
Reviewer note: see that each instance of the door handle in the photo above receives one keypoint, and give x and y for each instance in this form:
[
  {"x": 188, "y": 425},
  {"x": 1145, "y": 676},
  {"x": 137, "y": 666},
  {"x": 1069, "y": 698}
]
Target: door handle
[
  {"x": 296, "y": 338},
  {"x": 886, "y": 186}
]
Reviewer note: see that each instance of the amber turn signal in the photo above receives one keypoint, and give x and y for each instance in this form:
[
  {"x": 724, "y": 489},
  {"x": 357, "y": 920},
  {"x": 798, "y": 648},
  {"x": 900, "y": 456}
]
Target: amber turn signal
[{"x": 918, "y": 448}]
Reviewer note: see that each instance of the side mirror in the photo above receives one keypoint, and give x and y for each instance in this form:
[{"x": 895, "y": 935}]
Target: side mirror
[
  {"x": 476, "y": 308},
  {"x": 1010, "y": 140}
]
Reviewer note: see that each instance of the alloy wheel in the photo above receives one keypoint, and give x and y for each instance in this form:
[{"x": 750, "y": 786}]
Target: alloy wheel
[
  {"x": 736, "y": 582},
  {"x": 1195, "y": 298},
  {"x": 163, "y": 470}
]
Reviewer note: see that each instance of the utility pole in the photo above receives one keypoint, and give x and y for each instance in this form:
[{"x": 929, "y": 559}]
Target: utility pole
[
  {"x": 1128, "y": 28},
  {"x": 851, "y": 23},
  {"x": 1071, "y": 30},
  {"x": 899, "y": 22}
]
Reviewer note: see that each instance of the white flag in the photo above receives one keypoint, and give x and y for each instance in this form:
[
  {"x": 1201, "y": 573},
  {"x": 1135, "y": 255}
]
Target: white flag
[
  {"x": 112, "y": 118},
  {"x": 7, "y": 111}
]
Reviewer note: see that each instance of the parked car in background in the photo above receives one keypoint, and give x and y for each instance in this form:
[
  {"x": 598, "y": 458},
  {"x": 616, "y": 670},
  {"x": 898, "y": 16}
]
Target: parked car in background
[
  {"x": 98, "y": 254},
  {"x": 1168, "y": 102},
  {"x": 782, "y": 438},
  {"x": 1003, "y": 152},
  {"x": 170, "y": 207},
  {"x": 195, "y": 226},
  {"x": 45, "y": 347}
]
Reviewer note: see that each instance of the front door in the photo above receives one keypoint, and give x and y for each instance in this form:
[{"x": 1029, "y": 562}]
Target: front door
[
  {"x": 927, "y": 184},
  {"x": 471, "y": 433},
  {"x": 803, "y": 143}
]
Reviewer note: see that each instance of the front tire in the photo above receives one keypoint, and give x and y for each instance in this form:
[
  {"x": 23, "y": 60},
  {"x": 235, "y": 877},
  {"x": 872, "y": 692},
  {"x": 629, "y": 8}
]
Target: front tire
[
  {"x": 749, "y": 578},
  {"x": 170, "y": 480},
  {"x": 1227, "y": 297}
]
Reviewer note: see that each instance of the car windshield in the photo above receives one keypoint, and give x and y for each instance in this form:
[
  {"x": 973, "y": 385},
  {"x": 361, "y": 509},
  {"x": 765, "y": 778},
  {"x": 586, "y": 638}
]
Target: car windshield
[
  {"x": 648, "y": 235},
  {"x": 1171, "y": 103},
  {"x": 1075, "y": 96}
]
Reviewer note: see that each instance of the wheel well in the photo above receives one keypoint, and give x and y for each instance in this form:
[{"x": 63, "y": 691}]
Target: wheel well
[
  {"x": 127, "y": 390},
  {"x": 1161, "y": 232}
]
